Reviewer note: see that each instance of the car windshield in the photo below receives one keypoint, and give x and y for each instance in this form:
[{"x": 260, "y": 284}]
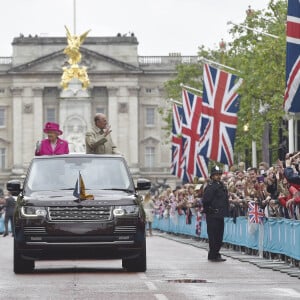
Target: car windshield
[{"x": 62, "y": 173}]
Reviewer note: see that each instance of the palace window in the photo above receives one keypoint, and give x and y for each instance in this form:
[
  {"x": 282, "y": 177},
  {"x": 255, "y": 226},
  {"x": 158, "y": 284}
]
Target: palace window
[
  {"x": 2, "y": 117},
  {"x": 149, "y": 157},
  {"x": 150, "y": 116},
  {"x": 2, "y": 158},
  {"x": 50, "y": 114},
  {"x": 100, "y": 110}
]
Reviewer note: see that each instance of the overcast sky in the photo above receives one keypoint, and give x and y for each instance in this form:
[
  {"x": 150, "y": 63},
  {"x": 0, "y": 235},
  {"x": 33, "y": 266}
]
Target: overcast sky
[{"x": 161, "y": 26}]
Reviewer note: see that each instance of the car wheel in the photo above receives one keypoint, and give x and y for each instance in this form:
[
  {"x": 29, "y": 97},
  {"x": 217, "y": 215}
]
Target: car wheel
[
  {"x": 21, "y": 265},
  {"x": 137, "y": 264}
]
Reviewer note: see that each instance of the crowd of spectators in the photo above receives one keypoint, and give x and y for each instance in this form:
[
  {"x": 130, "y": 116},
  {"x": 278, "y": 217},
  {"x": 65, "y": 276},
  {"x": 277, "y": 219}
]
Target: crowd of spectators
[{"x": 275, "y": 189}]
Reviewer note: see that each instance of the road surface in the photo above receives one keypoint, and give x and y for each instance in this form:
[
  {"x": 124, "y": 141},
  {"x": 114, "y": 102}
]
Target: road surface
[{"x": 175, "y": 271}]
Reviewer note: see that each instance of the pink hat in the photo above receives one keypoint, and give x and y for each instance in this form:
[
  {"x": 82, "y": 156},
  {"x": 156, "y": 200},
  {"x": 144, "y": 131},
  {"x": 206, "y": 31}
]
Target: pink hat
[{"x": 50, "y": 126}]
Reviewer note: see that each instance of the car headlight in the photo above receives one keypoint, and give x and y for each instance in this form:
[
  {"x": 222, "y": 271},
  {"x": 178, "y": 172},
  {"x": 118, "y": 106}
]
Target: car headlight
[
  {"x": 33, "y": 212},
  {"x": 130, "y": 210}
]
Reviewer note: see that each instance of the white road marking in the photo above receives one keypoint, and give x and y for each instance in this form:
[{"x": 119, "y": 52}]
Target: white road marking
[
  {"x": 151, "y": 286},
  {"x": 288, "y": 292},
  {"x": 161, "y": 297}
]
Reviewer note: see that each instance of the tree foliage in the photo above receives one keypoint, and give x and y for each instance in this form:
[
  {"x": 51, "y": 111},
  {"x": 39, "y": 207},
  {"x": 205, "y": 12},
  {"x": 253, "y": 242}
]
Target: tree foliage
[{"x": 260, "y": 60}]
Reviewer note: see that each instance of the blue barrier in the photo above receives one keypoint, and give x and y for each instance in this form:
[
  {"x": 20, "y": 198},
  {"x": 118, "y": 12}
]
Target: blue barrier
[
  {"x": 281, "y": 236},
  {"x": 2, "y": 224}
]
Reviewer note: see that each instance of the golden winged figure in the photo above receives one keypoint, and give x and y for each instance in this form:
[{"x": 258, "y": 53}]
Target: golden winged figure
[{"x": 74, "y": 43}]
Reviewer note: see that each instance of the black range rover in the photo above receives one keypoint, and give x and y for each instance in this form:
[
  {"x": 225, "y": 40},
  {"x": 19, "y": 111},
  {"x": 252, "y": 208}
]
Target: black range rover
[{"x": 79, "y": 207}]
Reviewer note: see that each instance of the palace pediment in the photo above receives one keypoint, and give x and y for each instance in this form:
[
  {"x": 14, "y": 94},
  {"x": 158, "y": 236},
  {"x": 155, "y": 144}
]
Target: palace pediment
[
  {"x": 150, "y": 140},
  {"x": 94, "y": 61}
]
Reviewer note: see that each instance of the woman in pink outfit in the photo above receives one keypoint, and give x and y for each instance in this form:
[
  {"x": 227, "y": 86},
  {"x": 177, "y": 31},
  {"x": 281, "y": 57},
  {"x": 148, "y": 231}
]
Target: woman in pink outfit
[{"x": 53, "y": 145}]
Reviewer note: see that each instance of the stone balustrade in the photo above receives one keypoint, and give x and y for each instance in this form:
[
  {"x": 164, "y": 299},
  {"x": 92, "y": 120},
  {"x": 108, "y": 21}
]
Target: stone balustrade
[{"x": 167, "y": 60}]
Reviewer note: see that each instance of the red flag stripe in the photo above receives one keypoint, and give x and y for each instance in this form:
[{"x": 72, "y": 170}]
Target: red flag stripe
[
  {"x": 227, "y": 150},
  {"x": 291, "y": 80},
  {"x": 293, "y": 28},
  {"x": 190, "y": 132}
]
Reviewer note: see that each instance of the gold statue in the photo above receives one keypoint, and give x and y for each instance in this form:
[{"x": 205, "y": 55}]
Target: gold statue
[
  {"x": 75, "y": 72},
  {"x": 72, "y": 51},
  {"x": 74, "y": 43}
]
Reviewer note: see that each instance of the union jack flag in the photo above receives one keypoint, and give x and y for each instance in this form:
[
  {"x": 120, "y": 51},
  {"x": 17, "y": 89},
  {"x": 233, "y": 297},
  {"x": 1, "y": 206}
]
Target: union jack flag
[
  {"x": 193, "y": 163},
  {"x": 255, "y": 213},
  {"x": 176, "y": 169},
  {"x": 292, "y": 92},
  {"x": 220, "y": 105}
]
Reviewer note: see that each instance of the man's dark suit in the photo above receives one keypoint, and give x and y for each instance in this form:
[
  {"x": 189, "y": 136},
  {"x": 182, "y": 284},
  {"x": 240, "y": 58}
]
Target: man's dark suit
[{"x": 9, "y": 213}]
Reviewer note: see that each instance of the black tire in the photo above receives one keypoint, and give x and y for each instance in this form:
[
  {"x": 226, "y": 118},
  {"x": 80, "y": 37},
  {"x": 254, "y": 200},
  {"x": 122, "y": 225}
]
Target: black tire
[
  {"x": 137, "y": 264},
  {"x": 21, "y": 265}
]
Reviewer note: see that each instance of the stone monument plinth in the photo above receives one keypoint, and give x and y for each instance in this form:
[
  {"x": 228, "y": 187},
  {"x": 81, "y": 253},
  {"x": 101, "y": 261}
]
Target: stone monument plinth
[{"x": 75, "y": 114}]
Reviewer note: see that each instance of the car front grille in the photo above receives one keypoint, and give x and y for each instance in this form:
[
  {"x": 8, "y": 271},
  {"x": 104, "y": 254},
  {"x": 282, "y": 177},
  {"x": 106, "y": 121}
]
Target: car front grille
[
  {"x": 34, "y": 230},
  {"x": 81, "y": 213},
  {"x": 125, "y": 229}
]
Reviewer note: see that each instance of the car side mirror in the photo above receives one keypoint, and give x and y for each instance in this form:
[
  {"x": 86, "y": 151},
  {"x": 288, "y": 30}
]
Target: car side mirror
[
  {"x": 14, "y": 186},
  {"x": 143, "y": 184}
]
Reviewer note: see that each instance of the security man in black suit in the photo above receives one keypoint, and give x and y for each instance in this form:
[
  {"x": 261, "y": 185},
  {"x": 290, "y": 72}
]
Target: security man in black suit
[
  {"x": 9, "y": 213},
  {"x": 216, "y": 206}
]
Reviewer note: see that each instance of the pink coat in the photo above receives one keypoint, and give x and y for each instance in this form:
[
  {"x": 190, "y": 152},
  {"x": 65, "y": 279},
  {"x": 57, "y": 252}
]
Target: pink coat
[{"x": 45, "y": 148}]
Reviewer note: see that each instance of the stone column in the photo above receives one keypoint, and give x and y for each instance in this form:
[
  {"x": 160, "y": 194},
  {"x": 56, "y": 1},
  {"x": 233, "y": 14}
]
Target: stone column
[
  {"x": 17, "y": 93},
  {"x": 112, "y": 117},
  {"x": 133, "y": 128},
  {"x": 38, "y": 113}
]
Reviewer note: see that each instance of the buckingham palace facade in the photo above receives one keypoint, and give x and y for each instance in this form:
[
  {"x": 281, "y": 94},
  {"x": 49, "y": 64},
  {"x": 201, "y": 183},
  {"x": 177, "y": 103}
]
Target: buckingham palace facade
[{"x": 127, "y": 87}]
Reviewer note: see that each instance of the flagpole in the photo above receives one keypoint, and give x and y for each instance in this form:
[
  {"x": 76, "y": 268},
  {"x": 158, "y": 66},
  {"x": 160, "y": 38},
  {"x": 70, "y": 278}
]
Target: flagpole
[
  {"x": 175, "y": 101},
  {"x": 253, "y": 29},
  {"x": 217, "y": 64},
  {"x": 74, "y": 16},
  {"x": 291, "y": 125},
  {"x": 191, "y": 88},
  {"x": 79, "y": 188}
]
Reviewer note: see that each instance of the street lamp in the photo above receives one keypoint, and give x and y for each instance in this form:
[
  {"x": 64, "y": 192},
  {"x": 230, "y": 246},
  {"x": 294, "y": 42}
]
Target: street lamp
[
  {"x": 249, "y": 11},
  {"x": 222, "y": 45},
  {"x": 246, "y": 129}
]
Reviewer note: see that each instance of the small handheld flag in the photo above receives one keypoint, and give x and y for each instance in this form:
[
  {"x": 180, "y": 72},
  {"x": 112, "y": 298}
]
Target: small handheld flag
[
  {"x": 255, "y": 213},
  {"x": 79, "y": 190}
]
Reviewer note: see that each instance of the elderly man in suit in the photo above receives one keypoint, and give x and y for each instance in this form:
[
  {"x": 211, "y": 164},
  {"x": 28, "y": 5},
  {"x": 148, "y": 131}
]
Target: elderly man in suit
[{"x": 98, "y": 140}]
